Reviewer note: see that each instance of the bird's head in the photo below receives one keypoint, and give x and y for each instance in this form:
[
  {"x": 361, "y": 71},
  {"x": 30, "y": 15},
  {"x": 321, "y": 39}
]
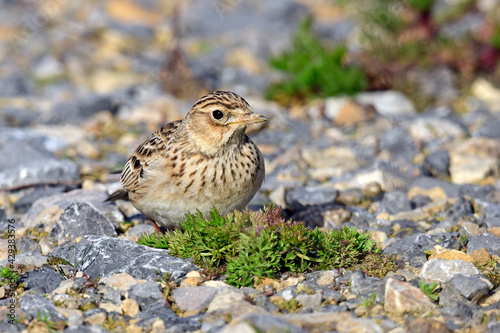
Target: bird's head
[{"x": 219, "y": 119}]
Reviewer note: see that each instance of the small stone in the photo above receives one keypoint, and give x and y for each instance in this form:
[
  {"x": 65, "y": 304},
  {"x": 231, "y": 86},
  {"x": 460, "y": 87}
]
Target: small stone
[
  {"x": 481, "y": 256},
  {"x": 306, "y": 196},
  {"x": 32, "y": 305},
  {"x": 440, "y": 252},
  {"x": 110, "y": 307},
  {"x": 192, "y": 279},
  {"x": 47, "y": 278},
  {"x": 97, "y": 318},
  {"x": 145, "y": 294},
  {"x": 310, "y": 301},
  {"x": 490, "y": 243},
  {"x": 363, "y": 285},
  {"x": 121, "y": 281},
  {"x": 436, "y": 164},
  {"x": 387, "y": 103},
  {"x": 427, "y": 325},
  {"x": 46, "y": 246},
  {"x": 34, "y": 259},
  {"x": 261, "y": 322},
  {"x": 402, "y": 297},
  {"x": 394, "y": 202},
  {"x": 441, "y": 270},
  {"x": 466, "y": 169},
  {"x": 135, "y": 232},
  {"x": 193, "y": 299}
]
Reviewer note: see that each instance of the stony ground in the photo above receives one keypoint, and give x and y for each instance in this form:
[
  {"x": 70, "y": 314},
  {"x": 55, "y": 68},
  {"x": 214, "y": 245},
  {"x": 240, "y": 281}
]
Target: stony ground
[{"x": 79, "y": 91}]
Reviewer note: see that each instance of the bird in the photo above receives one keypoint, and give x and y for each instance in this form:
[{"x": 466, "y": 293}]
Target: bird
[{"x": 201, "y": 162}]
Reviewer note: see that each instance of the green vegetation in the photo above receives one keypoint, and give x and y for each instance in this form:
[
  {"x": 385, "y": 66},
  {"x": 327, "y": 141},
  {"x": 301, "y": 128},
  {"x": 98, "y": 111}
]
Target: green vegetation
[
  {"x": 8, "y": 277},
  {"x": 250, "y": 245},
  {"x": 314, "y": 70},
  {"x": 370, "y": 301},
  {"x": 429, "y": 289}
]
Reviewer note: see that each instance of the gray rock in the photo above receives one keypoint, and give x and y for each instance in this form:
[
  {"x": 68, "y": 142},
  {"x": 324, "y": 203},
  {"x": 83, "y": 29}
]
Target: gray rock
[
  {"x": 310, "y": 301},
  {"x": 394, "y": 202},
  {"x": 46, "y": 277},
  {"x": 365, "y": 285},
  {"x": 25, "y": 244},
  {"x": 6, "y": 327},
  {"x": 462, "y": 207},
  {"x": 14, "y": 85},
  {"x": 79, "y": 219},
  {"x": 34, "y": 258},
  {"x": 35, "y": 217},
  {"x": 437, "y": 164},
  {"x": 146, "y": 294},
  {"x": 449, "y": 296},
  {"x": 411, "y": 249},
  {"x": 419, "y": 201},
  {"x": 487, "y": 241},
  {"x": 471, "y": 287},
  {"x": 17, "y": 117},
  {"x": 140, "y": 229},
  {"x": 74, "y": 111},
  {"x": 169, "y": 317},
  {"x": 442, "y": 270},
  {"x": 399, "y": 143},
  {"x": 307, "y": 196},
  {"x": 26, "y": 201},
  {"x": 491, "y": 212},
  {"x": 195, "y": 298},
  {"x": 29, "y": 162},
  {"x": 33, "y": 305},
  {"x": 94, "y": 328},
  {"x": 107, "y": 256}
]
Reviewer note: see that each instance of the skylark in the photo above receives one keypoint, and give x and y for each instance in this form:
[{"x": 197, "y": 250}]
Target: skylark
[{"x": 202, "y": 161}]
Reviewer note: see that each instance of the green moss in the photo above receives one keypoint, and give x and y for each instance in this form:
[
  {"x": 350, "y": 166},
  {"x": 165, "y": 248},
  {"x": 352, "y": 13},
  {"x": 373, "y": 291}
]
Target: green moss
[
  {"x": 377, "y": 265},
  {"x": 290, "y": 306},
  {"x": 261, "y": 244}
]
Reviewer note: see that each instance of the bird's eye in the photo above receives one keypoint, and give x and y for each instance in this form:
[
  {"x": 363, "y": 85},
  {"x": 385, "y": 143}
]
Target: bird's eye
[{"x": 217, "y": 114}]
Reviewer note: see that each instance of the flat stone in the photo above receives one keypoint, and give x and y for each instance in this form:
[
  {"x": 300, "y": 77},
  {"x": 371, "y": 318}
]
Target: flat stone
[
  {"x": 79, "y": 219},
  {"x": 194, "y": 298},
  {"x": 442, "y": 270},
  {"x": 411, "y": 249},
  {"x": 471, "y": 287},
  {"x": 46, "y": 277},
  {"x": 262, "y": 322},
  {"x": 105, "y": 256},
  {"x": 365, "y": 285},
  {"x": 437, "y": 164},
  {"x": 27, "y": 162},
  {"x": 307, "y": 196},
  {"x": 332, "y": 322},
  {"x": 74, "y": 111},
  {"x": 402, "y": 297},
  {"x": 34, "y": 258}
]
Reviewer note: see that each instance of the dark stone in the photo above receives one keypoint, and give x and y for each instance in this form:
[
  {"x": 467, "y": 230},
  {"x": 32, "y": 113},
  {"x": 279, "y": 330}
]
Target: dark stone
[
  {"x": 269, "y": 323},
  {"x": 26, "y": 162},
  {"x": 472, "y": 288},
  {"x": 411, "y": 249},
  {"x": 398, "y": 142},
  {"x": 92, "y": 312},
  {"x": 79, "y": 219},
  {"x": 436, "y": 164},
  {"x": 74, "y": 111},
  {"x": 419, "y": 201},
  {"x": 17, "y": 117},
  {"x": 107, "y": 256},
  {"x": 489, "y": 242},
  {"x": 476, "y": 192},
  {"x": 449, "y": 296},
  {"x": 14, "y": 85},
  {"x": 462, "y": 207},
  {"x": 33, "y": 305},
  {"x": 491, "y": 213},
  {"x": 394, "y": 202},
  {"x": 307, "y": 196},
  {"x": 27, "y": 200},
  {"x": 46, "y": 277},
  {"x": 365, "y": 285},
  {"x": 6, "y": 327},
  {"x": 161, "y": 310},
  {"x": 146, "y": 294}
]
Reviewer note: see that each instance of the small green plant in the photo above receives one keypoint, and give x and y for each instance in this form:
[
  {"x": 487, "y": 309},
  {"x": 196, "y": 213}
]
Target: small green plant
[
  {"x": 429, "y": 289},
  {"x": 44, "y": 321},
  {"x": 250, "y": 245},
  {"x": 370, "y": 301},
  {"x": 8, "y": 276},
  {"x": 314, "y": 70}
]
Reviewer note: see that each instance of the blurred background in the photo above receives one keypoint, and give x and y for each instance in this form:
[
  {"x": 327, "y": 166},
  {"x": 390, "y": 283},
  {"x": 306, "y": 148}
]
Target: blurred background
[{"x": 90, "y": 79}]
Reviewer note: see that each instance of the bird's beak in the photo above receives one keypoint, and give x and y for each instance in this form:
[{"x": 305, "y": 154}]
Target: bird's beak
[{"x": 251, "y": 118}]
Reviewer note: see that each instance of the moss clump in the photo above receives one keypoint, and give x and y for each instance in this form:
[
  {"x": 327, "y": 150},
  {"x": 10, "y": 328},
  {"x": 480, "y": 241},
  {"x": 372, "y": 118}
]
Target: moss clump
[
  {"x": 261, "y": 244},
  {"x": 377, "y": 265}
]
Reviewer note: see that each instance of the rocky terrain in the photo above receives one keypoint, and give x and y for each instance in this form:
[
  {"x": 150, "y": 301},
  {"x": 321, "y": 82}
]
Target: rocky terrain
[{"x": 80, "y": 89}]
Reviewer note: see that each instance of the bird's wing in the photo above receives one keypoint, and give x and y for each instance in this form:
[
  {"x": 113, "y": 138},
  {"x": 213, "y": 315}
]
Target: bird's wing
[{"x": 149, "y": 152}]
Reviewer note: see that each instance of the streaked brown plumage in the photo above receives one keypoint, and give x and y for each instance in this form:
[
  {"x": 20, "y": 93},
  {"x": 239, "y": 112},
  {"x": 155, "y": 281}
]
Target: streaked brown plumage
[{"x": 205, "y": 160}]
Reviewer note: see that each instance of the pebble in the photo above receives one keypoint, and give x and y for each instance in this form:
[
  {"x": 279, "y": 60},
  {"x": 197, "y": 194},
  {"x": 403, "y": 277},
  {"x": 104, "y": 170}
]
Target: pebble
[{"x": 442, "y": 270}]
